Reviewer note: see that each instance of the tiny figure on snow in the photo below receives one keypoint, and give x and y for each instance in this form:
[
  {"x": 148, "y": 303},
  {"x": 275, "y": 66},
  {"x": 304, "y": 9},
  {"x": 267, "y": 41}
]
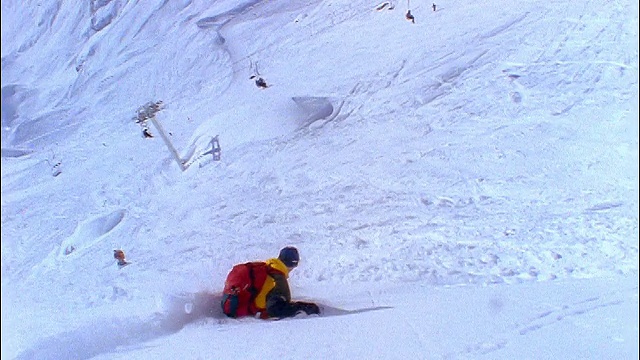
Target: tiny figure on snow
[
  {"x": 119, "y": 255},
  {"x": 410, "y": 17},
  {"x": 260, "y": 82},
  {"x": 146, "y": 133},
  {"x": 261, "y": 289},
  {"x": 434, "y": 6}
]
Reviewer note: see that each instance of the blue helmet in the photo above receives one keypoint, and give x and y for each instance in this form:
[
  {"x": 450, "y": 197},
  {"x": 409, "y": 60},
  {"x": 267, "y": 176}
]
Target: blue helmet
[{"x": 289, "y": 256}]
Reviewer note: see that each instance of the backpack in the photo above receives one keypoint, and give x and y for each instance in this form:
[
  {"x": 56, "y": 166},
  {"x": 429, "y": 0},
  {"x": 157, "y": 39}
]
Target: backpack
[{"x": 243, "y": 284}]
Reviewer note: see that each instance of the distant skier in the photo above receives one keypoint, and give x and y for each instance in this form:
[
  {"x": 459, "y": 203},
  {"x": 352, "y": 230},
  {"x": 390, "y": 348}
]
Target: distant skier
[
  {"x": 261, "y": 289},
  {"x": 119, "y": 255},
  {"x": 410, "y": 17},
  {"x": 434, "y": 6},
  {"x": 146, "y": 133}
]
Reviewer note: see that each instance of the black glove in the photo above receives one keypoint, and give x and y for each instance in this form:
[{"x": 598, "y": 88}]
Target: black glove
[{"x": 309, "y": 308}]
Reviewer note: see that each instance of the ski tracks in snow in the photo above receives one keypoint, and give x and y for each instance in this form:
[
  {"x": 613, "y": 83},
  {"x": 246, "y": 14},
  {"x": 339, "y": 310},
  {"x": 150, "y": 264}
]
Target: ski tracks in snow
[{"x": 553, "y": 315}]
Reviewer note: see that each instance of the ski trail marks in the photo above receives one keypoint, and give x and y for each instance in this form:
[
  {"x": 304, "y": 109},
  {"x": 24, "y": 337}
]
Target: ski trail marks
[
  {"x": 551, "y": 317},
  {"x": 538, "y": 322}
]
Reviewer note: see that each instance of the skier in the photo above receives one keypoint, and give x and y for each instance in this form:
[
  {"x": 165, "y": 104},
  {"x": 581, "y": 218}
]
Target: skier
[
  {"x": 261, "y": 289},
  {"x": 434, "y": 6},
  {"x": 119, "y": 255},
  {"x": 146, "y": 133}
]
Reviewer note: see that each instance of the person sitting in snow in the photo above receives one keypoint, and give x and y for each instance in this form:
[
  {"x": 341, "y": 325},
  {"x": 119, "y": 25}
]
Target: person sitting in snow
[{"x": 261, "y": 289}]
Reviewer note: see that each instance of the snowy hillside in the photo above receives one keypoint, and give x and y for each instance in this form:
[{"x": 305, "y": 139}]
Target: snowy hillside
[{"x": 465, "y": 186}]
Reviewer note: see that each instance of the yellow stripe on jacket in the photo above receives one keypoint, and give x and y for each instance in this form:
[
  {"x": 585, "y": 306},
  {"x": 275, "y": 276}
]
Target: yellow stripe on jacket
[{"x": 275, "y": 263}]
